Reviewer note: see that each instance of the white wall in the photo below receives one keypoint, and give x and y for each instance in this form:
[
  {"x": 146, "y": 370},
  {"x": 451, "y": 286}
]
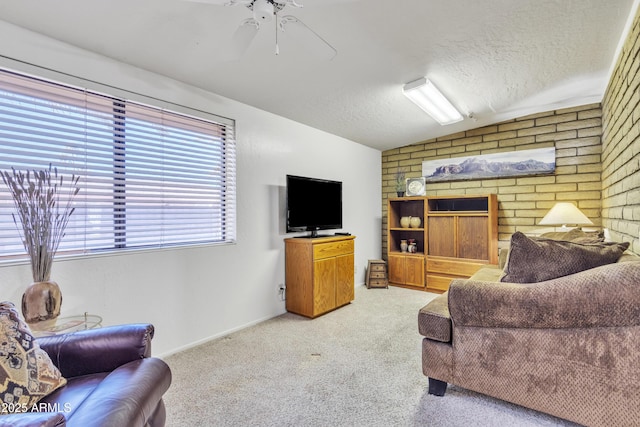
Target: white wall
[{"x": 194, "y": 294}]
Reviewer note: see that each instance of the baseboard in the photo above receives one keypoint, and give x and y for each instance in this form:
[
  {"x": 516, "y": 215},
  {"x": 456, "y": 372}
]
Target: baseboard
[
  {"x": 222, "y": 334},
  {"x": 216, "y": 336}
]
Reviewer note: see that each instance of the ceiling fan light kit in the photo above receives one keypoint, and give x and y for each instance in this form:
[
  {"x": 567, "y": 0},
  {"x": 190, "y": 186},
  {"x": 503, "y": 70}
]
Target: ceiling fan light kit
[
  {"x": 426, "y": 96},
  {"x": 262, "y": 11},
  {"x": 266, "y": 11}
]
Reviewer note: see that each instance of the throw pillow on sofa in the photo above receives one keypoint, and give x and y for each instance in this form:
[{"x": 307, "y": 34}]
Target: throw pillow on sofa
[
  {"x": 26, "y": 371},
  {"x": 534, "y": 260},
  {"x": 576, "y": 235}
]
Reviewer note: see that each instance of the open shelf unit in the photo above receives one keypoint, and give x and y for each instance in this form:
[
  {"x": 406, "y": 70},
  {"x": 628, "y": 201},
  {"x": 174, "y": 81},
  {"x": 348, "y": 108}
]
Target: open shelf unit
[{"x": 456, "y": 236}]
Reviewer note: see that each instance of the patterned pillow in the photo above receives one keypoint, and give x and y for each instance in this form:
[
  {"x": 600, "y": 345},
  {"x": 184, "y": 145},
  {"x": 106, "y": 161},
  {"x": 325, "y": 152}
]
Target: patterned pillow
[
  {"x": 26, "y": 371},
  {"x": 534, "y": 260}
]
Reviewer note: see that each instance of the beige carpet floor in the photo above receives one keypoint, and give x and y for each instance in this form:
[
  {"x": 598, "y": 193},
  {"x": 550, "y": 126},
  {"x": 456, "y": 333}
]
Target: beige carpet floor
[{"x": 359, "y": 365}]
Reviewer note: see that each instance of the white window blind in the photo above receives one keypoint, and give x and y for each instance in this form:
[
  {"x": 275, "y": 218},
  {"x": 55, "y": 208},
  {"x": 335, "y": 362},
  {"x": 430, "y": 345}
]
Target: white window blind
[{"x": 149, "y": 177}]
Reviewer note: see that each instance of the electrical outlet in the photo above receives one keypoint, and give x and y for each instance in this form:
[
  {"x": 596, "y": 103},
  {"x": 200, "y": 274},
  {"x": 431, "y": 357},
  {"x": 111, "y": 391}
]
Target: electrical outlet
[{"x": 282, "y": 291}]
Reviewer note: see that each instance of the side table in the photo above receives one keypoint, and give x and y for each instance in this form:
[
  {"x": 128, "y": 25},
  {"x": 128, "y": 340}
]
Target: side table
[
  {"x": 65, "y": 325},
  {"x": 377, "y": 274}
]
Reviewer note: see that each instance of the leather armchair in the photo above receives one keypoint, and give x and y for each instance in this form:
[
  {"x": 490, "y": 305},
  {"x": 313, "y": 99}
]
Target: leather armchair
[{"x": 112, "y": 380}]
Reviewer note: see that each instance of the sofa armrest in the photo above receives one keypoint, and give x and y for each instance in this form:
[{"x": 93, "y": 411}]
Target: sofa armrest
[
  {"x": 503, "y": 256},
  {"x": 605, "y": 296},
  {"x": 33, "y": 419},
  {"x": 98, "y": 350},
  {"x": 127, "y": 396}
]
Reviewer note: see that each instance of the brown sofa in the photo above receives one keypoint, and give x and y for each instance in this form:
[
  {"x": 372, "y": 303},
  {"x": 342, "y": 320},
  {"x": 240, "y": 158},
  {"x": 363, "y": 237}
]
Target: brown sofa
[
  {"x": 568, "y": 346},
  {"x": 112, "y": 380}
]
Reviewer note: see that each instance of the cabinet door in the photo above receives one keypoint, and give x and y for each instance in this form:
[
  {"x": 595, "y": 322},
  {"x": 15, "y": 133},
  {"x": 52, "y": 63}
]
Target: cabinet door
[
  {"x": 414, "y": 271},
  {"x": 473, "y": 238},
  {"x": 324, "y": 287},
  {"x": 396, "y": 269},
  {"x": 407, "y": 270},
  {"x": 442, "y": 236},
  {"x": 344, "y": 279}
]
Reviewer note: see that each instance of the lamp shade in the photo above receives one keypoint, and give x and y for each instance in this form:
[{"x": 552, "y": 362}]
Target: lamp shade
[{"x": 565, "y": 213}]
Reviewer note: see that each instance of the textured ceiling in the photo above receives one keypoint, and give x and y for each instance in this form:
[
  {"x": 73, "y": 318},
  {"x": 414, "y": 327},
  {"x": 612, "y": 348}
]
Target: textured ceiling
[{"x": 496, "y": 59}]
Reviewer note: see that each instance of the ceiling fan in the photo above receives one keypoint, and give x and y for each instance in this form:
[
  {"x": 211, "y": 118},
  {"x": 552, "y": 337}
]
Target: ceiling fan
[{"x": 265, "y": 11}]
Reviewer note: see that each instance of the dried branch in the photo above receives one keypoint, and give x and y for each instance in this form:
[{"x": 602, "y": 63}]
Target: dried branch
[
  {"x": 40, "y": 216},
  {"x": 400, "y": 177}
]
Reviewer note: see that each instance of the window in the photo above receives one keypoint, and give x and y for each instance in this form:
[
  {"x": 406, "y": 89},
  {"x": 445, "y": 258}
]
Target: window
[{"x": 149, "y": 177}]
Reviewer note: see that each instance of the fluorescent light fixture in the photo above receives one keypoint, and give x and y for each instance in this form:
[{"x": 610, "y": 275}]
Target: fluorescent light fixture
[{"x": 426, "y": 96}]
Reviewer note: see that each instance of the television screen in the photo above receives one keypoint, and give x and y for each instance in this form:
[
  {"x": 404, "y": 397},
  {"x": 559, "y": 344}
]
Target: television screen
[{"x": 313, "y": 204}]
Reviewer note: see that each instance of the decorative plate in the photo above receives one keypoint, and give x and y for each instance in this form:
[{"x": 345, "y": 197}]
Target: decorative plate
[{"x": 416, "y": 187}]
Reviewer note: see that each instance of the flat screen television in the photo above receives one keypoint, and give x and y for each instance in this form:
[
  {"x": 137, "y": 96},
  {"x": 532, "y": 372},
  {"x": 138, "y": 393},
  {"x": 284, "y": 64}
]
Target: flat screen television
[{"x": 313, "y": 204}]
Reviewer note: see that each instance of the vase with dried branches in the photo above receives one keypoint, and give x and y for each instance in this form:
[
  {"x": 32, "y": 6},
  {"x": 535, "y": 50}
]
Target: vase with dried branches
[
  {"x": 400, "y": 181},
  {"x": 44, "y": 203}
]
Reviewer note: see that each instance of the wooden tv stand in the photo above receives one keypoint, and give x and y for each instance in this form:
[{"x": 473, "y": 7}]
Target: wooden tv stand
[
  {"x": 319, "y": 274},
  {"x": 456, "y": 236}
]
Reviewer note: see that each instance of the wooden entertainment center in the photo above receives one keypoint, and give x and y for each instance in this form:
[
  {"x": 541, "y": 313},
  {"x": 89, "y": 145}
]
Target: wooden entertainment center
[
  {"x": 319, "y": 274},
  {"x": 456, "y": 236}
]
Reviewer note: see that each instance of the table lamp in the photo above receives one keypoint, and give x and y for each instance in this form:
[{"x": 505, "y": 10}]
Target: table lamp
[{"x": 563, "y": 213}]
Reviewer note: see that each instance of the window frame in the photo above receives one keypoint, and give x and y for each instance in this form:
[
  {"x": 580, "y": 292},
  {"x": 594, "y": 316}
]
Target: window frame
[{"x": 227, "y": 138}]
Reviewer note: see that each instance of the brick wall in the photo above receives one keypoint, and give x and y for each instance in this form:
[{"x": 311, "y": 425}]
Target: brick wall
[
  {"x": 621, "y": 145},
  {"x": 575, "y": 133}
]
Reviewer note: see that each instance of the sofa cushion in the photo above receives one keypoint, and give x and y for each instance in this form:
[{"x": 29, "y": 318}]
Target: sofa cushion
[
  {"x": 26, "y": 371},
  {"x": 538, "y": 259},
  {"x": 563, "y": 235},
  {"x": 576, "y": 235},
  {"x": 488, "y": 273},
  {"x": 434, "y": 321},
  {"x": 629, "y": 256},
  {"x": 603, "y": 297}
]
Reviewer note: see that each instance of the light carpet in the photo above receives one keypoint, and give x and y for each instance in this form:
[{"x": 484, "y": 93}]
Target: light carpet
[{"x": 359, "y": 365}]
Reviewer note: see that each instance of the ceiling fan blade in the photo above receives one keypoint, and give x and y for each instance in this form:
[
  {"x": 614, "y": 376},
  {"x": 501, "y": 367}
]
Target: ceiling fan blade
[
  {"x": 293, "y": 3},
  {"x": 299, "y": 31},
  {"x": 216, "y": 2},
  {"x": 222, "y": 2},
  {"x": 314, "y": 3},
  {"x": 241, "y": 39}
]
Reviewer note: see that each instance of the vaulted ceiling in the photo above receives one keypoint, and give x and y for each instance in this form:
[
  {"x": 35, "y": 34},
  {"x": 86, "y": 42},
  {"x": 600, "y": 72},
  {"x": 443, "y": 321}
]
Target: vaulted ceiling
[{"x": 494, "y": 59}]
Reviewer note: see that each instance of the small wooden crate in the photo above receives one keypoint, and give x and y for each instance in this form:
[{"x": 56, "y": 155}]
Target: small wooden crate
[{"x": 377, "y": 274}]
